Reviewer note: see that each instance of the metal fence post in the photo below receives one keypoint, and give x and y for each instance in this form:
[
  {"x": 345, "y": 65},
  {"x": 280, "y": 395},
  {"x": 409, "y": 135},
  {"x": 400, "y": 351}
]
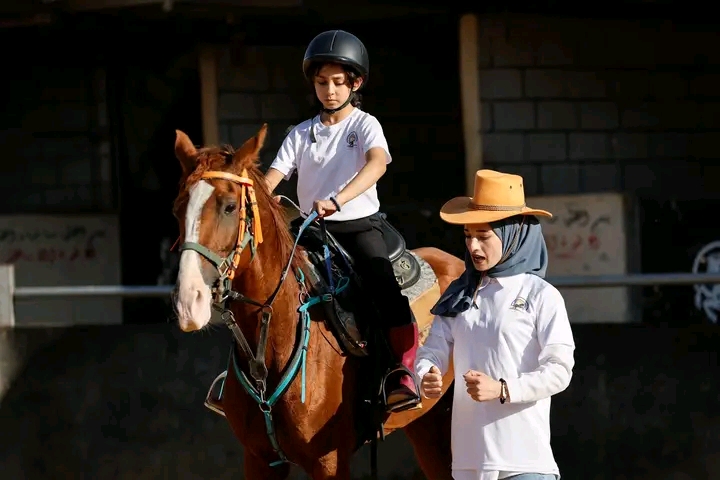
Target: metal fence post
[{"x": 7, "y": 296}]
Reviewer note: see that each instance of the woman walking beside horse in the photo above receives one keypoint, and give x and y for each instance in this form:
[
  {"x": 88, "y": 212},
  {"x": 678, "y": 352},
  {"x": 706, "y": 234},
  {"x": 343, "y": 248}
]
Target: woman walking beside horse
[{"x": 509, "y": 333}]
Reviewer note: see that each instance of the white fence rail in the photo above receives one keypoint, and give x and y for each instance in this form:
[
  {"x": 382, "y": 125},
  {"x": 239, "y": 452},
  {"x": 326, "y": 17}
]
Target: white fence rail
[{"x": 9, "y": 292}]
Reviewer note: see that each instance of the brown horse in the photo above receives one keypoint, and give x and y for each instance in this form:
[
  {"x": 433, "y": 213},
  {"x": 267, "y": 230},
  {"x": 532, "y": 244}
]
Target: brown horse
[{"x": 237, "y": 248}]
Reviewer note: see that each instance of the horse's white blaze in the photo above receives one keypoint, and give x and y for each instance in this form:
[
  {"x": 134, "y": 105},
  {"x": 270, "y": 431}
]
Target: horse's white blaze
[{"x": 193, "y": 295}]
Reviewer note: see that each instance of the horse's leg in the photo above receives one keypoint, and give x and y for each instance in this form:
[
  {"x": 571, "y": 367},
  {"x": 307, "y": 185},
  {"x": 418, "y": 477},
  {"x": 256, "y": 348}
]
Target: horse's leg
[
  {"x": 259, "y": 469},
  {"x": 332, "y": 466}
]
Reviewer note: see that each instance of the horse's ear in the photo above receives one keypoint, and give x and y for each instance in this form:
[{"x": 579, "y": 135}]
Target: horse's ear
[
  {"x": 260, "y": 137},
  {"x": 185, "y": 151},
  {"x": 252, "y": 146}
]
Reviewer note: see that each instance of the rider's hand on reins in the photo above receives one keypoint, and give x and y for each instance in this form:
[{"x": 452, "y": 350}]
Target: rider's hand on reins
[{"x": 324, "y": 208}]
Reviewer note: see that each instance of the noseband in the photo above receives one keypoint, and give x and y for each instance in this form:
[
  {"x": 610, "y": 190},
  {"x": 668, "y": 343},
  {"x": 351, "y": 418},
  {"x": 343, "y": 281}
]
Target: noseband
[{"x": 249, "y": 232}]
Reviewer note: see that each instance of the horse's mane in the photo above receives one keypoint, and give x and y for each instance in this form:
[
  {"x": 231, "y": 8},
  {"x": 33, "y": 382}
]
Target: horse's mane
[{"x": 221, "y": 158}]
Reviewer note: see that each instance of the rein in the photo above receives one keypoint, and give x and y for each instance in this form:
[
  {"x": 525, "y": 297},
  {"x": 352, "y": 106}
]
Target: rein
[{"x": 250, "y": 233}]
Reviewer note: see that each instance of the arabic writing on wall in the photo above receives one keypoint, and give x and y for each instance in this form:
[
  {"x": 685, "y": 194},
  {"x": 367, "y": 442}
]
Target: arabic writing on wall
[
  {"x": 63, "y": 250},
  {"x": 577, "y": 233},
  {"x": 586, "y": 235},
  {"x": 70, "y": 243}
]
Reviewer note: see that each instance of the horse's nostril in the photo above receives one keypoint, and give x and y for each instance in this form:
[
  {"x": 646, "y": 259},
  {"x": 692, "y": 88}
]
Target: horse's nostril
[{"x": 198, "y": 296}]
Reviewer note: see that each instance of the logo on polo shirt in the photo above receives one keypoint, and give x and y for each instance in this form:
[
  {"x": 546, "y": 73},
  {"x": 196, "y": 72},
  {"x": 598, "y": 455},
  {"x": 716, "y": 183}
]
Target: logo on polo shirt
[
  {"x": 351, "y": 139},
  {"x": 519, "y": 304}
]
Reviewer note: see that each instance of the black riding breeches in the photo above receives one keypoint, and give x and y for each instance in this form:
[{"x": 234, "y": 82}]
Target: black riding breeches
[{"x": 363, "y": 240}]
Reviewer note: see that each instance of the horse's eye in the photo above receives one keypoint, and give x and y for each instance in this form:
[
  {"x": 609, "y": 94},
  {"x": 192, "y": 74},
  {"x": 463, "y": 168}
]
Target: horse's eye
[{"x": 230, "y": 208}]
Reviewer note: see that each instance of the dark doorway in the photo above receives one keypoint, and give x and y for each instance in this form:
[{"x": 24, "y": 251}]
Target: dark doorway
[
  {"x": 674, "y": 234},
  {"x": 156, "y": 90}
]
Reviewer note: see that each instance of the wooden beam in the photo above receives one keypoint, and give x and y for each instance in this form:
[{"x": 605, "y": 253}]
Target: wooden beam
[
  {"x": 7, "y": 297},
  {"x": 207, "y": 58},
  {"x": 82, "y": 5},
  {"x": 470, "y": 97}
]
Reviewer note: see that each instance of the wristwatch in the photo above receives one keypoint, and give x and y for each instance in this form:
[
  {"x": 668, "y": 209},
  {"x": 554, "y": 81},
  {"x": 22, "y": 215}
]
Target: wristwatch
[{"x": 503, "y": 391}]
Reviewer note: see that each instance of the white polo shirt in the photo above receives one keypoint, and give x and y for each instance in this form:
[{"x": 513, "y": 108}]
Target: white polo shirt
[
  {"x": 326, "y": 166},
  {"x": 518, "y": 330}
]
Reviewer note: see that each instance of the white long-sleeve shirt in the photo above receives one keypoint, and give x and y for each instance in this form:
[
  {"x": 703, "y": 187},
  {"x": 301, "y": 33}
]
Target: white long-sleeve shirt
[{"x": 518, "y": 330}]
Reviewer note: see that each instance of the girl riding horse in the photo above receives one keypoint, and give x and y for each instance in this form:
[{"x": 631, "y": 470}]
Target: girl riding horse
[{"x": 339, "y": 155}]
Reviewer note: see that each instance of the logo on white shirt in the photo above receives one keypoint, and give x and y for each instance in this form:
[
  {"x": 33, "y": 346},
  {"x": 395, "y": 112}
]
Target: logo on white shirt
[
  {"x": 519, "y": 304},
  {"x": 351, "y": 139}
]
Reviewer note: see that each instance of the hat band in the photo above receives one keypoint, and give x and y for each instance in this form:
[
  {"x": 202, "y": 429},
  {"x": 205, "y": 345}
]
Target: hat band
[{"x": 495, "y": 208}]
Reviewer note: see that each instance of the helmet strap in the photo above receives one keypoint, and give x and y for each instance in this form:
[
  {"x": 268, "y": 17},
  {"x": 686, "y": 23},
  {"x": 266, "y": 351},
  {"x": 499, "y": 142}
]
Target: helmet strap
[{"x": 332, "y": 111}]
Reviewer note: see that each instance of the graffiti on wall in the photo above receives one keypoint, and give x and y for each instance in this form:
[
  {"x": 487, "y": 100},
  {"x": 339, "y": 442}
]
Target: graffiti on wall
[
  {"x": 71, "y": 243},
  {"x": 578, "y": 233},
  {"x": 63, "y": 250},
  {"x": 707, "y": 297},
  {"x": 587, "y": 236}
]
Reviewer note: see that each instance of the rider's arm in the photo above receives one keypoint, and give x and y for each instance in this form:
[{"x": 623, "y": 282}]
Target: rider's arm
[
  {"x": 377, "y": 155},
  {"x": 285, "y": 162},
  {"x": 368, "y": 176},
  {"x": 273, "y": 177}
]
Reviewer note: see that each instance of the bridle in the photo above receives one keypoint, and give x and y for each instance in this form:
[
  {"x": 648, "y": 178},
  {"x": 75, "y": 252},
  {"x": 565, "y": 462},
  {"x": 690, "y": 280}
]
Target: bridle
[{"x": 249, "y": 232}]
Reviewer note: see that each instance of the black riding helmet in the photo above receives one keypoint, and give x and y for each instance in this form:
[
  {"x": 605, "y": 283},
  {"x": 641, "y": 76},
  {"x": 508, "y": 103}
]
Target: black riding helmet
[{"x": 337, "y": 46}]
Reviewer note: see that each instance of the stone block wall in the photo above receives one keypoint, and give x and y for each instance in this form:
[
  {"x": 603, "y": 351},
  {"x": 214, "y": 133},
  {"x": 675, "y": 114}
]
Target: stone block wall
[
  {"x": 573, "y": 105},
  {"x": 256, "y": 85},
  {"x": 593, "y": 106}
]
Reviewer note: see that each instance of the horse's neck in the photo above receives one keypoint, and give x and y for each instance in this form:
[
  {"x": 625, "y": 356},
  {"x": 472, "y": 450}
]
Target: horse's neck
[{"x": 258, "y": 284}]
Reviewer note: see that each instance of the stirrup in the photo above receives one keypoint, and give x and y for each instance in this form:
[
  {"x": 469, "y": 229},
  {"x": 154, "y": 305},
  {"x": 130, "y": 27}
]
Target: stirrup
[
  {"x": 412, "y": 403},
  {"x": 214, "y": 402}
]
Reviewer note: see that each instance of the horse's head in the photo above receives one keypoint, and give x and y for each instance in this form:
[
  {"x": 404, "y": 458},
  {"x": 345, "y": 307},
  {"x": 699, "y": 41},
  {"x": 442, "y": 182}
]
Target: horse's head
[{"x": 218, "y": 208}]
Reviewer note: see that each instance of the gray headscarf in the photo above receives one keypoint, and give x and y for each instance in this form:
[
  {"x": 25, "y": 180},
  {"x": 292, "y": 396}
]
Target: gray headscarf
[{"x": 523, "y": 251}]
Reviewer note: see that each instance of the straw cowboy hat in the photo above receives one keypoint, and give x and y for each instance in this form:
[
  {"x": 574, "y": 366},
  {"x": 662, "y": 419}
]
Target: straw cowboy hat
[{"x": 497, "y": 196}]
